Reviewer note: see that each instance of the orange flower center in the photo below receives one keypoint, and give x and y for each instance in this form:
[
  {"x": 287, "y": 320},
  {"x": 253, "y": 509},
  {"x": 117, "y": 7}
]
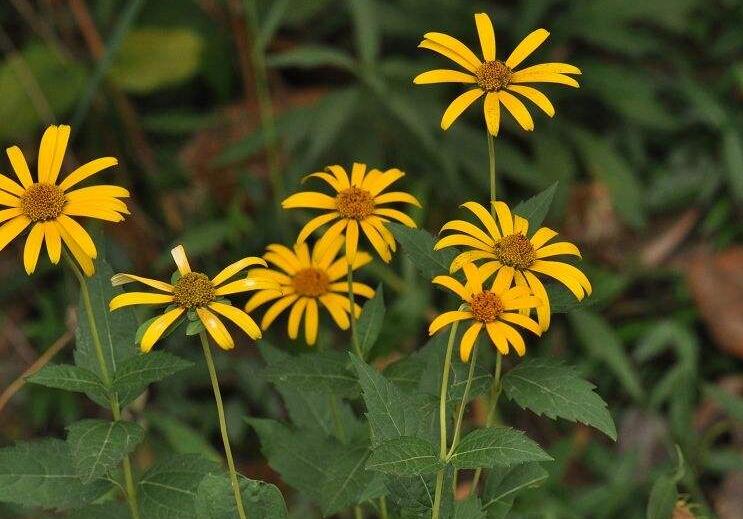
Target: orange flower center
[
  {"x": 193, "y": 290},
  {"x": 311, "y": 282},
  {"x": 493, "y": 76},
  {"x": 42, "y": 202},
  {"x": 486, "y": 307},
  {"x": 515, "y": 251},
  {"x": 355, "y": 203}
]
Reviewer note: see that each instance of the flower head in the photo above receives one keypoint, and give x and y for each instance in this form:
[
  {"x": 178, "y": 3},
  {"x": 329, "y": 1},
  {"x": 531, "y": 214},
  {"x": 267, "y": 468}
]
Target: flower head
[
  {"x": 198, "y": 293},
  {"x": 497, "y": 80},
  {"x": 48, "y": 207},
  {"x": 506, "y": 246},
  {"x": 495, "y": 309},
  {"x": 359, "y": 203},
  {"x": 309, "y": 280}
]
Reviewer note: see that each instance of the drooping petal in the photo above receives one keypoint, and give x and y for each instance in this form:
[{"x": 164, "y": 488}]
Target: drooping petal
[
  {"x": 327, "y": 177},
  {"x": 513, "y": 337},
  {"x": 79, "y": 234},
  {"x": 446, "y": 319},
  {"x": 503, "y": 280},
  {"x": 53, "y": 241},
  {"x": 517, "y": 109},
  {"x": 216, "y": 328},
  {"x": 9, "y": 200},
  {"x": 7, "y": 214},
  {"x": 234, "y": 268},
  {"x": 486, "y": 35},
  {"x": 32, "y": 248},
  {"x": 352, "y": 240},
  {"x": 12, "y": 228},
  {"x": 543, "y": 310},
  {"x": 91, "y": 211},
  {"x": 443, "y": 76},
  {"x": 82, "y": 258},
  {"x": 339, "y": 315},
  {"x": 122, "y": 279},
  {"x": 459, "y": 105},
  {"x": 522, "y": 320},
  {"x": 380, "y": 226},
  {"x": 94, "y": 192},
  {"x": 275, "y": 309},
  {"x": 311, "y": 319},
  {"x": 526, "y": 47},
  {"x": 491, "y": 111},
  {"x": 332, "y": 233},
  {"x": 240, "y": 318},
  {"x": 158, "y": 327},
  {"x": 295, "y": 317},
  {"x": 260, "y": 298},
  {"x": 575, "y": 280},
  {"x": 20, "y": 166},
  {"x": 468, "y": 341},
  {"x": 396, "y": 215},
  {"x": 469, "y": 257},
  {"x": 309, "y": 200},
  {"x": 11, "y": 186},
  {"x": 521, "y": 302},
  {"x": 139, "y": 298},
  {"x": 86, "y": 170},
  {"x": 499, "y": 340},
  {"x": 562, "y": 247},
  {"x": 535, "y": 96}
]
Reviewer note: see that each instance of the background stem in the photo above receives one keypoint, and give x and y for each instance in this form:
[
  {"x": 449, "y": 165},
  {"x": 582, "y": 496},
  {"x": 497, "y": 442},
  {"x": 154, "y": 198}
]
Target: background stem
[{"x": 352, "y": 302}]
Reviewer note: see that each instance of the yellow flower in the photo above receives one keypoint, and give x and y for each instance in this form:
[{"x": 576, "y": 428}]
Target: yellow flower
[
  {"x": 47, "y": 206},
  {"x": 306, "y": 280},
  {"x": 509, "y": 249},
  {"x": 194, "y": 291},
  {"x": 497, "y": 80},
  {"x": 356, "y": 205},
  {"x": 495, "y": 309}
]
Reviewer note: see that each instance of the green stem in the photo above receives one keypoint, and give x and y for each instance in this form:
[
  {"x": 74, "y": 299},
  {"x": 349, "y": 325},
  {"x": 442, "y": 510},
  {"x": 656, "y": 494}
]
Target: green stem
[
  {"x": 222, "y": 424},
  {"x": 463, "y": 404},
  {"x": 495, "y": 391},
  {"x": 352, "y": 302},
  {"x": 383, "y": 507},
  {"x": 436, "y": 511},
  {"x": 491, "y": 164},
  {"x": 131, "y": 488}
]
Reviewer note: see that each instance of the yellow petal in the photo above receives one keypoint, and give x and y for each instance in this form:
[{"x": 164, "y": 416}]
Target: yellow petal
[
  {"x": 458, "y": 106},
  {"x": 453, "y": 285},
  {"x": 139, "y": 298},
  {"x": 485, "y": 217},
  {"x": 233, "y": 268},
  {"x": 517, "y": 109},
  {"x": 474, "y": 281},
  {"x": 384, "y": 180},
  {"x": 240, "y": 318},
  {"x": 86, "y": 170},
  {"x": 244, "y": 285},
  {"x": 11, "y": 186},
  {"x": 158, "y": 327},
  {"x": 295, "y": 316},
  {"x": 396, "y": 196},
  {"x": 9, "y": 230},
  {"x": 380, "y": 226},
  {"x": 275, "y": 309},
  {"x": 93, "y": 192},
  {"x": 487, "y": 36},
  {"x": 20, "y": 166},
  {"x": 357, "y": 174},
  {"x": 520, "y": 225},
  {"x": 379, "y": 244},
  {"x": 503, "y": 280},
  {"x": 513, "y": 337},
  {"x": 455, "y": 45},
  {"x": 309, "y": 200},
  {"x": 468, "y": 228},
  {"x": 352, "y": 240},
  {"x": 521, "y": 320},
  {"x": 535, "y": 96},
  {"x": 7, "y": 214},
  {"x": 90, "y": 211},
  {"x": 339, "y": 268},
  {"x": 461, "y": 240},
  {"x": 311, "y": 319},
  {"x": 339, "y": 315},
  {"x": 491, "y": 110},
  {"x": 543, "y": 77},
  {"x": 505, "y": 218},
  {"x": 82, "y": 258},
  {"x": 122, "y": 279},
  {"x": 542, "y": 236},
  {"x": 526, "y": 47},
  {"x": 360, "y": 289},
  {"x": 60, "y": 146},
  {"x": 555, "y": 249},
  {"x": 340, "y": 175},
  {"x": 443, "y": 76},
  {"x": 80, "y": 235},
  {"x": 53, "y": 241},
  {"x": 303, "y": 254},
  {"x": 447, "y": 52},
  {"x": 32, "y": 248},
  {"x": 260, "y": 298},
  {"x": 575, "y": 280},
  {"x": 489, "y": 268},
  {"x": 332, "y": 233},
  {"x": 9, "y": 200},
  {"x": 446, "y": 319},
  {"x": 327, "y": 177},
  {"x": 324, "y": 254},
  {"x": 543, "y": 310},
  {"x": 499, "y": 340},
  {"x": 468, "y": 257},
  {"x": 468, "y": 341},
  {"x": 283, "y": 257},
  {"x": 550, "y": 68},
  {"x": 46, "y": 153},
  {"x": 216, "y": 328},
  {"x": 181, "y": 260}
]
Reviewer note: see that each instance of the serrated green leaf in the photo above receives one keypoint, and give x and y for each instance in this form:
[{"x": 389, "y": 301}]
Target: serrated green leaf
[
  {"x": 42, "y": 474},
  {"x": 155, "y": 58},
  {"x": 112, "y": 510},
  {"x": 415, "y": 495},
  {"x": 535, "y": 209},
  {"x": 98, "y": 446},
  {"x": 548, "y": 387},
  {"x": 183, "y": 438},
  {"x": 72, "y": 378},
  {"x": 404, "y": 456},
  {"x": 470, "y": 508},
  {"x": 600, "y": 340},
  {"x": 138, "y": 372},
  {"x": 168, "y": 489},
  {"x": 215, "y": 499},
  {"x": 311, "y": 56},
  {"x": 347, "y": 482},
  {"x": 370, "y": 322},
  {"x": 496, "y": 446},
  {"x": 321, "y": 372},
  {"x": 418, "y": 246},
  {"x": 115, "y": 329},
  {"x": 504, "y": 483}
]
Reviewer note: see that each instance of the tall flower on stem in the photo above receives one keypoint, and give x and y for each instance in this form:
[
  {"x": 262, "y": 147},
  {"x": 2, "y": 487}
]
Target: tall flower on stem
[
  {"x": 48, "y": 206},
  {"x": 308, "y": 281},
  {"x": 196, "y": 292},
  {"x": 497, "y": 80}
]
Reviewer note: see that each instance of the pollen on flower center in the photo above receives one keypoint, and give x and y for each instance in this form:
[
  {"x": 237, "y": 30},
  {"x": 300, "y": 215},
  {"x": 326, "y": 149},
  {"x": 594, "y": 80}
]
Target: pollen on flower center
[
  {"x": 42, "y": 202},
  {"x": 486, "y": 307},
  {"x": 193, "y": 290},
  {"x": 311, "y": 282},
  {"x": 493, "y": 75},
  {"x": 355, "y": 203},
  {"x": 515, "y": 251}
]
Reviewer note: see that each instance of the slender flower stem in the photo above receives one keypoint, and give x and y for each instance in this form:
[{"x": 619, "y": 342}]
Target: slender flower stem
[
  {"x": 463, "y": 404},
  {"x": 436, "y": 511},
  {"x": 495, "y": 391},
  {"x": 491, "y": 163},
  {"x": 222, "y": 424},
  {"x": 131, "y": 488},
  {"x": 352, "y": 302},
  {"x": 383, "y": 507}
]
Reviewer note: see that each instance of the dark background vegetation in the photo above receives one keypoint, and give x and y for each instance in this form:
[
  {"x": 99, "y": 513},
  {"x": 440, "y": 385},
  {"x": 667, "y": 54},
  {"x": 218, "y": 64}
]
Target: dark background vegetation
[{"x": 648, "y": 155}]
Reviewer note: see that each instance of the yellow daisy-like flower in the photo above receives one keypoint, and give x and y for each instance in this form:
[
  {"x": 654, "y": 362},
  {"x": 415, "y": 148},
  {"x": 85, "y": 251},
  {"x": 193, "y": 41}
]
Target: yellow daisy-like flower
[
  {"x": 48, "y": 206},
  {"x": 496, "y": 80},
  {"x": 509, "y": 249},
  {"x": 306, "y": 280},
  {"x": 196, "y": 291},
  {"x": 357, "y": 205},
  {"x": 496, "y": 309}
]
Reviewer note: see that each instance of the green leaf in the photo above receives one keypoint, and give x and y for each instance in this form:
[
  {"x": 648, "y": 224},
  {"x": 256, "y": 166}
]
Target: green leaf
[
  {"x": 663, "y": 497},
  {"x": 322, "y": 372},
  {"x": 496, "y": 446},
  {"x": 168, "y": 489},
  {"x": 732, "y": 151},
  {"x": 72, "y": 378},
  {"x": 415, "y": 495},
  {"x": 548, "y": 387},
  {"x": 600, "y": 340},
  {"x": 42, "y": 474},
  {"x": 536, "y": 208},
  {"x": 183, "y": 438},
  {"x": 504, "y": 483},
  {"x": 405, "y": 456},
  {"x": 115, "y": 329},
  {"x": 730, "y": 403},
  {"x": 330, "y": 116},
  {"x": 366, "y": 29},
  {"x": 155, "y": 58},
  {"x": 370, "y": 323},
  {"x": 98, "y": 446},
  {"x": 470, "y": 508},
  {"x": 418, "y": 246},
  {"x": 311, "y": 56},
  {"x": 215, "y": 499},
  {"x": 112, "y": 510},
  {"x": 138, "y": 372},
  {"x": 347, "y": 482}
]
